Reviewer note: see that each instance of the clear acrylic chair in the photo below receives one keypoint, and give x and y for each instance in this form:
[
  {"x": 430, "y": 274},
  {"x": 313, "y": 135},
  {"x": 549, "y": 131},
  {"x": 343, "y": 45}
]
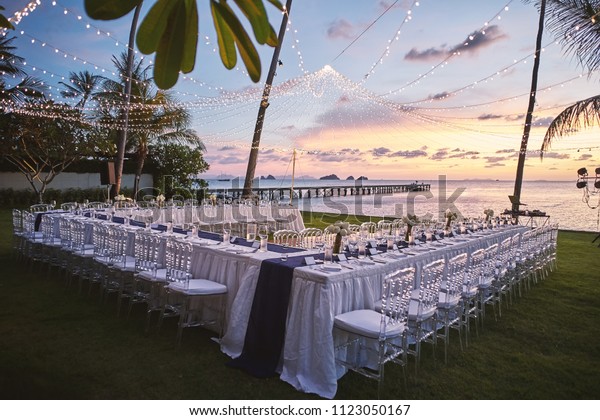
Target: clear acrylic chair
[
  {"x": 150, "y": 273},
  {"x": 309, "y": 237},
  {"x": 449, "y": 308},
  {"x": 470, "y": 292},
  {"x": 487, "y": 295},
  {"x": 369, "y": 338},
  {"x": 196, "y": 301},
  {"x": 18, "y": 234},
  {"x": 287, "y": 237},
  {"x": 369, "y": 229},
  {"x": 422, "y": 308}
]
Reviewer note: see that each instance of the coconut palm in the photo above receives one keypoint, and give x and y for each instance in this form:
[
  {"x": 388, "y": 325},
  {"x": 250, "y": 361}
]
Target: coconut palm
[
  {"x": 82, "y": 85},
  {"x": 576, "y": 24},
  {"x": 12, "y": 65},
  {"x": 154, "y": 115}
]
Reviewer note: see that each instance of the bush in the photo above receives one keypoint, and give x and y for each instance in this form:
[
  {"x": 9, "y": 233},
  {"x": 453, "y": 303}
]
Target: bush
[{"x": 21, "y": 199}]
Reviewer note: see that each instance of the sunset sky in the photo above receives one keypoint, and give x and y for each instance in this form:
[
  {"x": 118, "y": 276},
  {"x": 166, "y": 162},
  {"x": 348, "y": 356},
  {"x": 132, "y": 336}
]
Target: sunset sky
[{"x": 392, "y": 90}]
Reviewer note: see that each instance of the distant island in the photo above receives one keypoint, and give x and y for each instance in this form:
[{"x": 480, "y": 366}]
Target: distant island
[
  {"x": 350, "y": 178},
  {"x": 362, "y": 178},
  {"x": 330, "y": 177},
  {"x": 269, "y": 177}
]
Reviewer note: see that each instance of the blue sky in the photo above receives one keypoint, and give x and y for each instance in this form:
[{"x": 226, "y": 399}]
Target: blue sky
[{"x": 432, "y": 105}]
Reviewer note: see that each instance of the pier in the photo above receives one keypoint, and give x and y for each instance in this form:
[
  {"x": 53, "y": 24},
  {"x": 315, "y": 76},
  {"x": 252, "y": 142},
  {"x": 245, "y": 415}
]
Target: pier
[{"x": 275, "y": 193}]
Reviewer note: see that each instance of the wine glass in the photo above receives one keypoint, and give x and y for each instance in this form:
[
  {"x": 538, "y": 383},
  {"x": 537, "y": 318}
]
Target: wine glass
[
  {"x": 320, "y": 243},
  {"x": 226, "y": 232},
  {"x": 52, "y": 204}
]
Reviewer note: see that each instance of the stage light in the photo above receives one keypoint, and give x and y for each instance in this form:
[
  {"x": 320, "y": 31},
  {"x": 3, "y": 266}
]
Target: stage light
[
  {"x": 581, "y": 184},
  {"x": 582, "y": 172}
]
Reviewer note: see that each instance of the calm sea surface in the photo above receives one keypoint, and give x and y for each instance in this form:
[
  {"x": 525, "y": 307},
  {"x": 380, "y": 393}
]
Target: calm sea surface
[{"x": 562, "y": 201}]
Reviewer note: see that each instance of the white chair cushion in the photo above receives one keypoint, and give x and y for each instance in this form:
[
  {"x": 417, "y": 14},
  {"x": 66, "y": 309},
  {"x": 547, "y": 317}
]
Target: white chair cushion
[
  {"x": 417, "y": 313},
  {"x": 447, "y": 301},
  {"x": 200, "y": 287},
  {"x": 366, "y": 322}
]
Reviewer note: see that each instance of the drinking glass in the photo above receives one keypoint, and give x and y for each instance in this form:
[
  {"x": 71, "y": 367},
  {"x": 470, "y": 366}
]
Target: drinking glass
[
  {"x": 251, "y": 232},
  {"x": 263, "y": 233},
  {"x": 319, "y": 243},
  {"x": 328, "y": 254},
  {"x": 52, "y": 204},
  {"x": 226, "y": 232}
]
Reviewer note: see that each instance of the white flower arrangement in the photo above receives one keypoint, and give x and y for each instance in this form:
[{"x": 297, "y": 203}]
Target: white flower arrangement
[
  {"x": 339, "y": 227},
  {"x": 120, "y": 197},
  {"x": 450, "y": 216},
  {"x": 160, "y": 198},
  {"x": 489, "y": 213}
]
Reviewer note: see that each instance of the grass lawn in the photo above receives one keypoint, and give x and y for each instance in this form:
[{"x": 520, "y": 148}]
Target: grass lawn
[{"x": 57, "y": 344}]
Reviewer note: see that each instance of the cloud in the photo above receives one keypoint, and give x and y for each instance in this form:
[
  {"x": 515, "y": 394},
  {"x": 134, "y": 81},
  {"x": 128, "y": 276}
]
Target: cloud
[
  {"x": 409, "y": 154},
  {"x": 542, "y": 122},
  {"x": 472, "y": 44},
  {"x": 506, "y": 151},
  {"x": 224, "y": 148},
  {"x": 494, "y": 165},
  {"x": 555, "y": 155},
  {"x": 438, "y": 96},
  {"x": 489, "y": 117},
  {"x": 585, "y": 156},
  {"x": 519, "y": 117},
  {"x": 340, "y": 28},
  {"x": 380, "y": 151},
  {"x": 230, "y": 160},
  {"x": 288, "y": 127},
  {"x": 495, "y": 159},
  {"x": 464, "y": 154},
  {"x": 441, "y": 154}
]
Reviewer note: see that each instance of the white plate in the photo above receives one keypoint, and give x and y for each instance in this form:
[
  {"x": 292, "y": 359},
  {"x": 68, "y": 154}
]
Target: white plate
[{"x": 331, "y": 267}]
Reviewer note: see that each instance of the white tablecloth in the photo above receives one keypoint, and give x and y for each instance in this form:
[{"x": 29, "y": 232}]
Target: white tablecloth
[{"x": 317, "y": 297}]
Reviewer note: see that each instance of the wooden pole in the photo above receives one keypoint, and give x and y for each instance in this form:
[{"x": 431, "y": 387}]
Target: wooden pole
[{"x": 264, "y": 104}]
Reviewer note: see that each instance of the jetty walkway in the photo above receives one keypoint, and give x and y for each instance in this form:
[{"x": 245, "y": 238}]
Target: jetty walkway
[{"x": 274, "y": 193}]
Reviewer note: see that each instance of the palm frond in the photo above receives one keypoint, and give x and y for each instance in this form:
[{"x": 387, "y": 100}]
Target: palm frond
[
  {"x": 582, "y": 114},
  {"x": 576, "y": 25}
]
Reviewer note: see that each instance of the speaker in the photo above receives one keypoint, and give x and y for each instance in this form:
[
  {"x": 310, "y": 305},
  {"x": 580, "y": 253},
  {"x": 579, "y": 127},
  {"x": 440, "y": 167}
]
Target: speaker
[{"x": 107, "y": 174}]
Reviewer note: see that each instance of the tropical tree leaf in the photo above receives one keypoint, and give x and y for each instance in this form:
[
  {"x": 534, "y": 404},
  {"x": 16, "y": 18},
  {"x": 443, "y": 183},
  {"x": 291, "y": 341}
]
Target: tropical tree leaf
[
  {"x": 153, "y": 26},
  {"x": 257, "y": 16},
  {"x": 582, "y": 114},
  {"x": 4, "y": 23},
  {"x": 170, "y": 49},
  {"x": 244, "y": 45},
  {"x": 191, "y": 37},
  {"x": 109, "y": 9},
  {"x": 224, "y": 37},
  {"x": 277, "y": 4}
]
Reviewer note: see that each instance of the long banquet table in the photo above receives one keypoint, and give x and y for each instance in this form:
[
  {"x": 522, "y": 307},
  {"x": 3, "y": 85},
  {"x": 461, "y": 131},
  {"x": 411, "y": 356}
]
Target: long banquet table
[
  {"x": 314, "y": 297},
  {"x": 317, "y": 296}
]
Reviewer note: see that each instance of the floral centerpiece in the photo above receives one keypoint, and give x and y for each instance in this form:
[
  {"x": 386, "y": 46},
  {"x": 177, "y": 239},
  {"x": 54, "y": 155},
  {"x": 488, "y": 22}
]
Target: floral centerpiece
[
  {"x": 489, "y": 213},
  {"x": 410, "y": 220},
  {"x": 120, "y": 197},
  {"x": 450, "y": 216},
  {"x": 160, "y": 200},
  {"x": 213, "y": 199},
  {"x": 340, "y": 229}
]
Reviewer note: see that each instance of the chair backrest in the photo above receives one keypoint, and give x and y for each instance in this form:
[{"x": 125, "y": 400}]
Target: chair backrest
[
  {"x": 385, "y": 226},
  {"x": 40, "y": 207},
  {"x": 100, "y": 239},
  {"x": 474, "y": 270},
  {"x": 179, "y": 261},
  {"x": 368, "y": 228},
  {"x": 117, "y": 237},
  {"x": 455, "y": 276},
  {"x": 17, "y": 219},
  {"x": 47, "y": 228},
  {"x": 352, "y": 227},
  {"x": 75, "y": 231},
  {"x": 287, "y": 237},
  {"x": 28, "y": 223},
  {"x": 489, "y": 264},
  {"x": 397, "y": 289},
  {"x": 309, "y": 237},
  {"x": 69, "y": 206},
  {"x": 147, "y": 249},
  {"x": 425, "y": 296},
  {"x": 97, "y": 205}
]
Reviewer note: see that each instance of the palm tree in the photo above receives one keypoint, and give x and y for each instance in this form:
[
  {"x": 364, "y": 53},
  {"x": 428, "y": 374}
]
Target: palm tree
[
  {"x": 154, "y": 115},
  {"x": 12, "y": 65},
  {"x": 82, "y": 85},
  {"x": 576, "y": 24}
]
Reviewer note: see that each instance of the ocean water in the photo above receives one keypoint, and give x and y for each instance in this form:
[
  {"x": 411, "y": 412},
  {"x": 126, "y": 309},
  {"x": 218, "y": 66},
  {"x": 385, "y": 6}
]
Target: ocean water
[{"x": 561, "y": 200}]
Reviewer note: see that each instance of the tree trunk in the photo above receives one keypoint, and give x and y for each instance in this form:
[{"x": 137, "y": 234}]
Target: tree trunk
[
  {"x": 142, "y": 154},
  {"x": 529, "y": 116},
  {"x": 264, "y": 103},
  {"x": 122, "y": 140}
]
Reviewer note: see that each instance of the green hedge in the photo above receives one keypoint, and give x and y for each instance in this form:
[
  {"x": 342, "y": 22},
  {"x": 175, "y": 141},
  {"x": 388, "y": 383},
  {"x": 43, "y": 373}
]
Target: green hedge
[{"x": 21, "y": 199}]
